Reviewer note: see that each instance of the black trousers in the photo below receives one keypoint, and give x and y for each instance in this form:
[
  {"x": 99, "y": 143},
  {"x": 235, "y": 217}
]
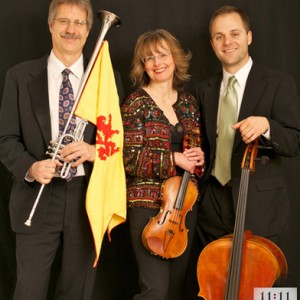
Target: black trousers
[
  {"x": 159, "y": 279},
  {"x": 216, "y": 212},
  {"x": 66, "y": 224}
]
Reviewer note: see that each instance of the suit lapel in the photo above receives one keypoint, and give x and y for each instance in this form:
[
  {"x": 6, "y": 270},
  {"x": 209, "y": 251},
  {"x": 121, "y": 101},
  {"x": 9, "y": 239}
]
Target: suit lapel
[
  {"x": 38, "y": 91},
  {"x": 211, "y": 110},
  {"x": 253, "y": 91}
]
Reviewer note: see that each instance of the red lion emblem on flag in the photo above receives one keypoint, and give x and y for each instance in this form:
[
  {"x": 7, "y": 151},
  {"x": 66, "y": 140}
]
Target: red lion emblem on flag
[{"x": 103, "y": 138}]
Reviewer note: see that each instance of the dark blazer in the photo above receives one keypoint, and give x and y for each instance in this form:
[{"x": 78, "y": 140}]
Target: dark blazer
[
  {"x": 25, "y": 133},
  {"x": 273, "y": 95}
]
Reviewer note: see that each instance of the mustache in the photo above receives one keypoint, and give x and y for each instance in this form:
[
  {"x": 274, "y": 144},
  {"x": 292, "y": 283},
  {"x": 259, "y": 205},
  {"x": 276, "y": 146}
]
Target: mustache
[{"x": 70, "y": 35}]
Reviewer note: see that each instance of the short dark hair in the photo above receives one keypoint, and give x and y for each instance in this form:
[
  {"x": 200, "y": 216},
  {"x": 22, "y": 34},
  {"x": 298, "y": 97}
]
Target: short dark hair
[{"x": 228, "y": 10}]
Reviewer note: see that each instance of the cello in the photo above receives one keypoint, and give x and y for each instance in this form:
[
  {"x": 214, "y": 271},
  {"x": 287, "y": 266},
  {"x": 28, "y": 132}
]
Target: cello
[
  {"x": 166, "y": 235},
  {"x": 232, "y": 266}
]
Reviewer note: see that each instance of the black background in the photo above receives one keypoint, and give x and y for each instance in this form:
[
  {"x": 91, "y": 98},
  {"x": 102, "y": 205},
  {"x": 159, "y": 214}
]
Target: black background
[{"x": 24, "y": 35}]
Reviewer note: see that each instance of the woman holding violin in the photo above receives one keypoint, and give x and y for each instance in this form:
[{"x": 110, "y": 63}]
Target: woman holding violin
[{"x": 158, "y": 119}]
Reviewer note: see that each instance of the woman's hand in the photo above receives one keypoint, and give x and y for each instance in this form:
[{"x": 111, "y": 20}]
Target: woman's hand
[
  {"x": 189, "y": 159},
  {"x": 195, "y": 155}
]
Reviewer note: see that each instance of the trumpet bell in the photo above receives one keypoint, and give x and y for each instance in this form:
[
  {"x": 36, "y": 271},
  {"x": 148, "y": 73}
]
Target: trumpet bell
[{"x": 109, "y": 18}]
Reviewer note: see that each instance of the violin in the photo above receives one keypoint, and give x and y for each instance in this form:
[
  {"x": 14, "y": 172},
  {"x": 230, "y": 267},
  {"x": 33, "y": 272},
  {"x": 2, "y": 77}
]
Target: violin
[
  {"x": 166, "y": 235},
  {"x": 232, "y": 266}
]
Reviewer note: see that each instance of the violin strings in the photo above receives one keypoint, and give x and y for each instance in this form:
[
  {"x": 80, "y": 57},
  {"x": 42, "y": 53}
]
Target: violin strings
[{"x": 175, "y": 218}]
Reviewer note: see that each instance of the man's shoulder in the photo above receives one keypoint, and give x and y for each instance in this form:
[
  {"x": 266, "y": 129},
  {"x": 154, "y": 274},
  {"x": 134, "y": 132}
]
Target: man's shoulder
[
  {"x": 212, "y": 81},
  {"x": 29, "y": 65},
  {"x": 266, "y": 71}
]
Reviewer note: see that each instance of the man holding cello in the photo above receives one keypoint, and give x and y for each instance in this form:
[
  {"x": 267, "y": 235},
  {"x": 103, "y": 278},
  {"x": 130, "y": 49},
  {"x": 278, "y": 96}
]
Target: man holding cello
[{"x": 259, "y": 103}]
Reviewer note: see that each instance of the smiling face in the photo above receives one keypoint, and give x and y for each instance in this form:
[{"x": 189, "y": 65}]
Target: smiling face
[
  {"x": 160, "y": 65},
  {"x": 68, "y": 39},
  {"x": 230, "y": 41}
]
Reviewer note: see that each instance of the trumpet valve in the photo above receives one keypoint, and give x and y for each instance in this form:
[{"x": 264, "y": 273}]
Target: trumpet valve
[{"x": 53, "y": 149}]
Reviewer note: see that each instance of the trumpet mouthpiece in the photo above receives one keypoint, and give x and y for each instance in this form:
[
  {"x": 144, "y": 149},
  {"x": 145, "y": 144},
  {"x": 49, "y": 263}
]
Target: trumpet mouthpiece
[{"x": 28, "y": 223}]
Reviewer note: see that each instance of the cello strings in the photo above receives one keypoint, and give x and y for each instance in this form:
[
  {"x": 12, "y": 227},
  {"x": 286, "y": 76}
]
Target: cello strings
[{"x": 238, "y": 240}]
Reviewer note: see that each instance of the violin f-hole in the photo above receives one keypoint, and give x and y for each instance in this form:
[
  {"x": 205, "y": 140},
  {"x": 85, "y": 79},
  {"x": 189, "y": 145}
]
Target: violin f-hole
[{"x": 162, "y": 221}]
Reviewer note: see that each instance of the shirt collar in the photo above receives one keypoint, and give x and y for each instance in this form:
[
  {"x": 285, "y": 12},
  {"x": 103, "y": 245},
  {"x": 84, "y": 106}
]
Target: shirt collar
[
  {"x": 241, "y": 75},
  {"x": 57, "y": 66}
]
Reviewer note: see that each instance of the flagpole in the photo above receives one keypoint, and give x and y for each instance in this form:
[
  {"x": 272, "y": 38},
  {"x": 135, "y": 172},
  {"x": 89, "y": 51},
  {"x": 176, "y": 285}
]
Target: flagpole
[{"x": 109, "y": 20}]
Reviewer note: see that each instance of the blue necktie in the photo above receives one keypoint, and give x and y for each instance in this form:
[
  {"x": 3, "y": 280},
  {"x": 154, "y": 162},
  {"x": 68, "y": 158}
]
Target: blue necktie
[{"x": 66, "y": 102}]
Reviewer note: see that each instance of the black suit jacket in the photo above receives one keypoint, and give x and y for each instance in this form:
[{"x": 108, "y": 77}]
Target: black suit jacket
[
  {"x": 273, "y": 95},
  {"x": 25, "y": 133}
]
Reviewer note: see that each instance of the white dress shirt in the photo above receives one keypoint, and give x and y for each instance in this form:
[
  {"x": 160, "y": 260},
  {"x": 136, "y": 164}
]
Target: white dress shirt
[
  {"x": 55, "y": 68},
  {"x": 241, "y": 76}
]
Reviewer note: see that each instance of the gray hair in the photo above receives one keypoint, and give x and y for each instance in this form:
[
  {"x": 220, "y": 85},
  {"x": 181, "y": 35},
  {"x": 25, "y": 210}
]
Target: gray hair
[{"x": 85, "y": 4}]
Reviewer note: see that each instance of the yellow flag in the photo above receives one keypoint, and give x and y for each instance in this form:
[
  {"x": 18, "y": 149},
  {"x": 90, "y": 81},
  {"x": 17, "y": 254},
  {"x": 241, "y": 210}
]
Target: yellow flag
[{"x": 106, "y": 193}]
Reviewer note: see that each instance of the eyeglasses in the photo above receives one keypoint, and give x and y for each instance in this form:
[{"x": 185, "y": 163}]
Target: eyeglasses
[
  {"x": 151, "y": 59},
  {"x": 66, "y": 22}
]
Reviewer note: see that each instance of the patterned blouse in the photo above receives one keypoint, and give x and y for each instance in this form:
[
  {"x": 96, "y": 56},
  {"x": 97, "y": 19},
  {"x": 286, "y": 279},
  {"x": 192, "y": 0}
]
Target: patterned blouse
[{"x": 147, "y": 154}]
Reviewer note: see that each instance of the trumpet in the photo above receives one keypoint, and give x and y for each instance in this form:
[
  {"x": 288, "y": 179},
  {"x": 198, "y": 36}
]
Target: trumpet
[
  {"x": 55, "y": 147},
  {"x": 108, "y": 20}
]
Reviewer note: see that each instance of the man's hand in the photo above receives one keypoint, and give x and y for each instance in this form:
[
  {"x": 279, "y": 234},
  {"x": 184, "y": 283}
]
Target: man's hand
[
  {"x": 79, "y": 151},
  {"x": 44, "y": 170},
  {"x": 252, "y": 128}
]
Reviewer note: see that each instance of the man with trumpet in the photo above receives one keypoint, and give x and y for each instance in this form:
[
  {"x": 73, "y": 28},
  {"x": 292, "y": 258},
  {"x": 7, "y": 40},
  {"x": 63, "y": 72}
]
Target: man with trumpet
[{"x": 37, "y": 97}]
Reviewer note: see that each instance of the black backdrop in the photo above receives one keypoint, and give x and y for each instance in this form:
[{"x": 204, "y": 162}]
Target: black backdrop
[{"x": 276, "y": 43}]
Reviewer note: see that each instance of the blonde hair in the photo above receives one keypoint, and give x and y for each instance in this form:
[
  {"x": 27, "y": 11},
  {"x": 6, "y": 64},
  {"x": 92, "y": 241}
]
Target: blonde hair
[{"x": 149, "y": 42}]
